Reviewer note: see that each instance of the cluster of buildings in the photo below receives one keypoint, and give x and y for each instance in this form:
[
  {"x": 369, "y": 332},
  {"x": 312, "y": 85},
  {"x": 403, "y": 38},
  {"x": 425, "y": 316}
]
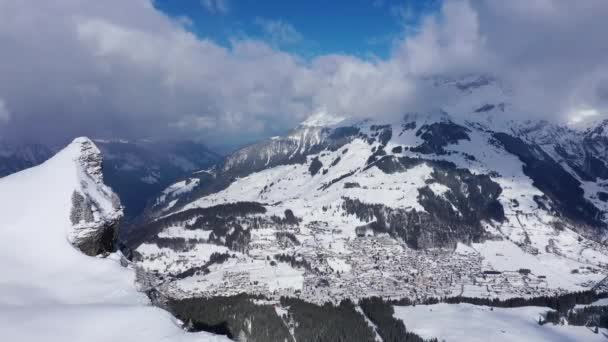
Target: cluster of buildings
[
  {"x": 380, "y": 266},
  {"x": 360, "y": 267}
]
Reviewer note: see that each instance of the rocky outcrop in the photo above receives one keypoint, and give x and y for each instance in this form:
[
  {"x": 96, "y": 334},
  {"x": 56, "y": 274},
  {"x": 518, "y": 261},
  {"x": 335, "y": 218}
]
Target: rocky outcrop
[
  {"x": 438, "y": 135},
  {"x": 96, "y": 211}
]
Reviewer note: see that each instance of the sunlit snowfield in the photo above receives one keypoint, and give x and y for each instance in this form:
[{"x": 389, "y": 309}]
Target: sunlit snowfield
[{"x": 475, "y": 323}]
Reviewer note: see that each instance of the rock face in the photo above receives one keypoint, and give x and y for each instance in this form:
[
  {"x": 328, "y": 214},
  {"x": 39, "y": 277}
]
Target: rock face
[
  {"x": 438, "y": 135},
  {"x": 96, "y": 211}
]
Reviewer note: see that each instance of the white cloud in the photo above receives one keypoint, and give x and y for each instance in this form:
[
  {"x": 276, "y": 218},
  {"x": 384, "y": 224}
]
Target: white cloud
[
  {"x": 132, "y": 71},
  {"x": 5, "y": 115},
  {"x": 445, "y": 43},
  {"x": 550, "y": 53},
  {"x": 279, "y": 32},
  {"x": 216, "y": 6},
  {"x": 582, "y": 115}
]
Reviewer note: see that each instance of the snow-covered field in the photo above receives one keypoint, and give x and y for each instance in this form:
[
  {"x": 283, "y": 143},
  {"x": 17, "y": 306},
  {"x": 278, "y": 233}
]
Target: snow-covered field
[
  {"x": 599, "y": 302},
  {"x": 472, "y": 323},
  {"x": 51, "y": 291}
]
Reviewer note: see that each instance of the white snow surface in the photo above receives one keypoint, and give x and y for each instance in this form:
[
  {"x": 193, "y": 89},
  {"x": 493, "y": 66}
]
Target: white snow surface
[
  {"x": 472, "y": 323},
  {"x": 176, "y": 189},
  {"x": 322, "y": 118},
  {"x": 599, "y": 302},
  {"x": 49, "y": 290}
]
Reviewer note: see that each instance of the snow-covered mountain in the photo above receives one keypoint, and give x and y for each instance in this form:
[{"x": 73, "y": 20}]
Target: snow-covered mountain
[
  {"x": 53, "y": 215},
  {"x": 136, "y": 170},
  {"x": 457, "y": 201}
]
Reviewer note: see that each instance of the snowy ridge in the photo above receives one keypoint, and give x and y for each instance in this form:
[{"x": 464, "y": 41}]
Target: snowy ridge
[
  {"x": 48, "y": 284},
  {"x": 275, "y": 150},
  {"x": 322, "y": 119},
  {"x": 599, "y": 130}
]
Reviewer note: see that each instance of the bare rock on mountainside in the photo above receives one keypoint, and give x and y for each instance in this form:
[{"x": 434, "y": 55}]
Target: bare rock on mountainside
[{"x": 96, "y": 210}]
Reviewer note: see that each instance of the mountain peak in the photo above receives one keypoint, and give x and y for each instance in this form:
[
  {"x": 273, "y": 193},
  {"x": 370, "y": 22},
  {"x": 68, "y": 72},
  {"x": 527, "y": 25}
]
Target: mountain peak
[
  {"x": 89, "y": 157},
  {"x": 322, "y": 118}
]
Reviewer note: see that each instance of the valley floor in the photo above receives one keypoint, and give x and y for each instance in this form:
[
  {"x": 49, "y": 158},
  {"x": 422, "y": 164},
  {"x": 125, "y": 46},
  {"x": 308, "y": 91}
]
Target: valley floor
[
  {"x": 466, "y": 322},
  {"x": 337, "y": 268}
]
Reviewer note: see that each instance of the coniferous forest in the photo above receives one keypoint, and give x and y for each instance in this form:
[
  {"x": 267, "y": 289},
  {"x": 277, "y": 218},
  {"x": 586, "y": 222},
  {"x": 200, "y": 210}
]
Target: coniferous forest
[{"x": 256, "y": 319}]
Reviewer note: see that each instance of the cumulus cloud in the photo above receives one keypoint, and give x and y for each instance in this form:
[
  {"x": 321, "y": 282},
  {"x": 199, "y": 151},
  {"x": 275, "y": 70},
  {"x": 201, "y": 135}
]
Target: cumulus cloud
[
  {"x": 216, "y": 6},
  {"x": 550, "y": 52},
  {"x": 123, "y": 69},
  {"x": 279, "y": 31},
  {"x": 446, "y": 43}
]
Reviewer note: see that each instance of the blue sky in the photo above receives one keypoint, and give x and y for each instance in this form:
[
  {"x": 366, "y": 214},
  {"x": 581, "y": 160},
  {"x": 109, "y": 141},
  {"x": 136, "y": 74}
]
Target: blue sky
[{"x": 363, "y": 28}]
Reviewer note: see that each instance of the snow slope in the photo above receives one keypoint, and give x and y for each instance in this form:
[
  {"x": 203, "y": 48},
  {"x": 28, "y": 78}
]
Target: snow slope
[
  {"x": 466, "y": 322},
  {"x": 48, "y": 288}
]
